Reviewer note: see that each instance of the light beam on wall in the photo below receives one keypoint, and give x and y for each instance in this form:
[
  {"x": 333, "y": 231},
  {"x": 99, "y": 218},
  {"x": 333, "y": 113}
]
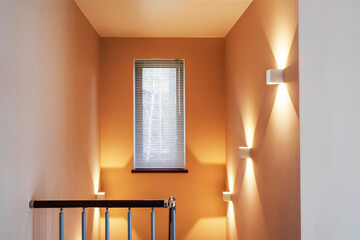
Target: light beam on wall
[
  {"x": 249, "y": 134},
  {"x": 96, "y": 229},
  {"x": 283, "y": 118},
  {"x": 231, "y": 222},
  {"x": 280, "y": 28},
  {"x": 249, "y": 173},
  {"x": 281, "y": 37},
  {"x": 281, "y": 51}
]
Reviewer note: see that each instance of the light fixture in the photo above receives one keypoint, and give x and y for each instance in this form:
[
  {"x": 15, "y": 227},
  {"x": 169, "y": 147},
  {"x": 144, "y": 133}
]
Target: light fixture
[
  {"x": 100, "y": 196},
  {"x": 274, "y": 76},
  {"x": 244, "y": 152},
  {"x": 227, "y": 196}
]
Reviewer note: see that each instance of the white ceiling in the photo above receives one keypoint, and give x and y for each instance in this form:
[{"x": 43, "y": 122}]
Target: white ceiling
[{"x": 163, "y": 18}]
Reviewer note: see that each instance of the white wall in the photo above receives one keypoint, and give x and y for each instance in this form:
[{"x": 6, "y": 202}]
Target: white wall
[
  {"x": 48, "y": 114},
  {"x": 329, "y": 49}
]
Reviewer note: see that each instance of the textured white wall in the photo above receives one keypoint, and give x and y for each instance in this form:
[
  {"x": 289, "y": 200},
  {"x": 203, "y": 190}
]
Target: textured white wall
[
  {"x": 329, "y": 49},
  {"x": 48, "y": 114}
]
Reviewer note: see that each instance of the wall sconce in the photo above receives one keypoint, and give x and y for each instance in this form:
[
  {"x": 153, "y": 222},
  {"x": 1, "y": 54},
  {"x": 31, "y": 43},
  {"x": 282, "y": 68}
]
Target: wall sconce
[
  {"x": 100, "y": 196},
  {"x": 227, "y": 196},
  {"x": 274, "y": 76},
  {"x": 244, "y": 152}
]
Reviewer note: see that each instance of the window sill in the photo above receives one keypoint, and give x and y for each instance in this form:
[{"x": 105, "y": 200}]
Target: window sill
[{"x": 159, "y": 170}]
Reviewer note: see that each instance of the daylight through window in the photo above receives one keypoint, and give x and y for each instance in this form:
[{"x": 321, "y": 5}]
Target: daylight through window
[{"x": 159, "y": 114}]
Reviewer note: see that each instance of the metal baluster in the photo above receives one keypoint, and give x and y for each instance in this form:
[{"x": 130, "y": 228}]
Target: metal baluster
[
  {"x": 173, "y": 223},
  {"x": 129, "y": 225},
  {"x": 172, "y": 208},
  {"x": 107, "y": 228},
  {"x": 83, "y": 226},
  {"x": 152, "y": 224},
  {"x": 61, "y": 225}
]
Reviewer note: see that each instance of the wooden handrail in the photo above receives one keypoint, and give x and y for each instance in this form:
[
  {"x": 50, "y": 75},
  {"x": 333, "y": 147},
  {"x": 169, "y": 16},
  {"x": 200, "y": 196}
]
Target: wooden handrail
[{"x": 98, "y": 204}]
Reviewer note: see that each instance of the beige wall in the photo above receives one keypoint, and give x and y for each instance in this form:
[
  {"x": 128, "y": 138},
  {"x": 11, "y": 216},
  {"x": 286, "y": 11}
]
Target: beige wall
[
  {"x": 266, "y": 202},
  {"x": 200, "y": 212},
  {"x": 48, "y": 115}
]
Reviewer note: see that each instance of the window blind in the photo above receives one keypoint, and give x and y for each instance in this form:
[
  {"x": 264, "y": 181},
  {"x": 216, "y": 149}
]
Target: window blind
[{"x": 159, "y": 114}]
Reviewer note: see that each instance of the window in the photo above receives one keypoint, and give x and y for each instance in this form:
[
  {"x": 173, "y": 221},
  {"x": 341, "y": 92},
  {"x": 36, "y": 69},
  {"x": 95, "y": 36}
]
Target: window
[{"x": 159, "y": 126}]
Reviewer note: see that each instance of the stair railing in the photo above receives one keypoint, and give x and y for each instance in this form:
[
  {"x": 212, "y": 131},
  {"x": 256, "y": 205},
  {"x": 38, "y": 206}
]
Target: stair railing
[{"x": 61, "y": 204}]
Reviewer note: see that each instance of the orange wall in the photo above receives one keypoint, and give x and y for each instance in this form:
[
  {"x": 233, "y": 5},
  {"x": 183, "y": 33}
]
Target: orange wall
[
  {"x": 48, "y": 115},
  {"x": 266, "y": 202},
  {"x": 200, "y": 210}
]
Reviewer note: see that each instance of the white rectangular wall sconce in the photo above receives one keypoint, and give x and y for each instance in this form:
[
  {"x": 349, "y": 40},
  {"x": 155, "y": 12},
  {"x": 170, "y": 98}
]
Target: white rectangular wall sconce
[
  {"x": 274, "y": 76},
  {"x": 244, "y": 152},
  {"x": 100, "y": 196},
  {"x": 227, "y": 196}
]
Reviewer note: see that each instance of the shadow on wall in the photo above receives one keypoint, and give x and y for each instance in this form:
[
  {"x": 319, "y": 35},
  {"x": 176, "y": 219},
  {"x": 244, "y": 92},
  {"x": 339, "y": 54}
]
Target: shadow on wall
[{"x": 200, "y": 209}]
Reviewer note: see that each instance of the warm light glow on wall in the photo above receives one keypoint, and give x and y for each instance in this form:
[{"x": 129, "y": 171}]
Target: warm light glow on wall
[
  {"x": 283, "y": 116},
  {"x": 281, "y": 38},
  {"x": 281, "y": 50},
  {"x": 114, "y": 157},
  {"x": 202, "y": 152},
  {"x": 249, "y": 132},
  {"x": 249, "y": 173},
  {"x": 96, "y": 181},
  {"x": 231, "y": 211},
  {"x": 280, "y": 28},
  {"x": 283, "y": 105},
  {"x": 250, "y": 200},
  {"x": 78, "y": 233},
  {"x": 200, "y": 230},
  {"x": 249, "y": 112},
  {"x": 118, "y": 228},
  {"x": 249, "y": 185},
  {"x": 231, "y": 179},
  {"x": 95, "y": 173},
  {"x": 231, "y": 222},
  {"x": 96, "y": 229},
  {"x": 282, "y": 96}
]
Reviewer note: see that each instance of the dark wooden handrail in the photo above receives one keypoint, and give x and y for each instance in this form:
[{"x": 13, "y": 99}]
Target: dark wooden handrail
[{"x": 98, "y": 204}]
